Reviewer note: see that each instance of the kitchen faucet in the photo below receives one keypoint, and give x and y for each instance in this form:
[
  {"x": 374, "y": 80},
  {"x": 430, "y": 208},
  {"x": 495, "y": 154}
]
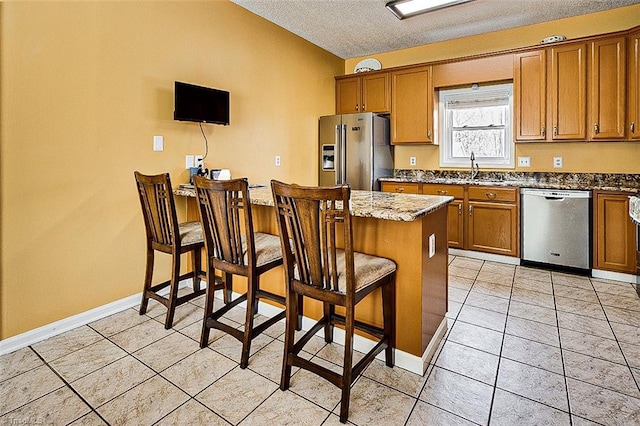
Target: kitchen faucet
[{"x": 475, "y": 168}]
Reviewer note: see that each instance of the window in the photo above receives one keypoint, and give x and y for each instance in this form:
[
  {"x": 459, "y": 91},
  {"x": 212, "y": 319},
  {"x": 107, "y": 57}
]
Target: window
[{"x": 477, "y": 120}]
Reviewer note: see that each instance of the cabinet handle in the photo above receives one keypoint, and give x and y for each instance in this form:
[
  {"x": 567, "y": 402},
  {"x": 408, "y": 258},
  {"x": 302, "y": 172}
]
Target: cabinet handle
[
  {"x": 596, "y": 130},
  {"x": 429, "y": 134},
  {"x": 357, "y": 107},
  {"x": 544, "y": 132},
  {"x": 399, "y": 189},
  {"x": 491, "y": 195},
  {"x": 442, "y": 192},
  {"x": 459, "y": 209},
  {"x": 470, "y": 210},
  {"x": 633, "y": 127},
  {"x": 555, "y": 130}
]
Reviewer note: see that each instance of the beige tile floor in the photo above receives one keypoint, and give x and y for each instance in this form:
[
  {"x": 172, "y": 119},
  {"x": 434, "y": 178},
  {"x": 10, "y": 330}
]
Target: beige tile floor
[{"x": 524, "y": 347}]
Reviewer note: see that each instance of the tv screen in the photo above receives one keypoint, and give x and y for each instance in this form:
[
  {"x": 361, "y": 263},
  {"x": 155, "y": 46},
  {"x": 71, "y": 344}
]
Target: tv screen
[{"x": 200, "y": 104}]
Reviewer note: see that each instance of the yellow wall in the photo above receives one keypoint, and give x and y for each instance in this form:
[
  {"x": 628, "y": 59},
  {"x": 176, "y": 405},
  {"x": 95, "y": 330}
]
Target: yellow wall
[
  {"x": 593, "y": 157},
  {"x": 85, "y": 87}
]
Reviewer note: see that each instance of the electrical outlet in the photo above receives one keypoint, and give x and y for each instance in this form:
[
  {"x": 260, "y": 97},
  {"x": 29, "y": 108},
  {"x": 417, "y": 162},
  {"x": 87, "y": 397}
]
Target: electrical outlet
[
  {"x": 557, "y": 162},
  {"x": 189, "y": 162},
  {"x": 198, "y": 161},
  {"x": 524, "y": 161},
  {"x": 432, "y": 245},
  {"x": 277, "y": 161},
  {"x": 412, "y": 161}
]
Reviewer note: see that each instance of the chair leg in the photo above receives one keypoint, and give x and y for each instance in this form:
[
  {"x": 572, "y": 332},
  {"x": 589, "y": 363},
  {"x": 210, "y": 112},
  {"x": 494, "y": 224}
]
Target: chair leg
[
  {"x": 148, "y": 276},
  {"x": 227, "y": 288},
  {"x": 300, "y": 310},
  {"x": 196, "y": 265},
  {"x": 389, "y": 318},
  {"x": 329, "y": 310},
  {"x": 292, "y": 308},
  {"x": 347, "y": 371},
  {"x": 208, "y": 308},
  {"x": 173, "y": 290},
  {"x": 252, "y": 286}
]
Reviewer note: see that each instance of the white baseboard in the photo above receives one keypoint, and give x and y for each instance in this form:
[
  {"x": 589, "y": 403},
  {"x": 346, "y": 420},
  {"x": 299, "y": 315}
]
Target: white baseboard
[
  {"x": 510, "y": 260},
  {"x": 404, "y": 360},
  {"x": 58, "y": 327},
  {"x": 615, "y": 276}
]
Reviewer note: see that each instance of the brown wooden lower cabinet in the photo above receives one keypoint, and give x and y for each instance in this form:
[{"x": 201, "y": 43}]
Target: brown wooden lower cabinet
[
  {"x": 400, "y": 187},
  {"x": 493, "y": 228},
  {"x": 614, "y": 234},
  {"x": 480, "y": 218}
]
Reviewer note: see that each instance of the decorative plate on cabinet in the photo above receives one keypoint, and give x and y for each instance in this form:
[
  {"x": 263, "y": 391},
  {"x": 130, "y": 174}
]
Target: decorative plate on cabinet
[{"x": 368, "y": 64}]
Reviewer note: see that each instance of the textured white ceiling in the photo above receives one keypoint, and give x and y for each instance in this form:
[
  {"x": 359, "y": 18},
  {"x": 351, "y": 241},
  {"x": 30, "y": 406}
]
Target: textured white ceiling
[{"x": 353, "y": 28}]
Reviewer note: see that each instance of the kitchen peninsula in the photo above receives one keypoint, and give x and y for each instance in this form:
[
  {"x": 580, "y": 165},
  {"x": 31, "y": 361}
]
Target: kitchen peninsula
[{"x": 411, "y": 230}]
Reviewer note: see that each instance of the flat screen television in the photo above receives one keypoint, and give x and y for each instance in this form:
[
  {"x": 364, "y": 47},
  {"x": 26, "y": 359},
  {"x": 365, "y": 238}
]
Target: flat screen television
[{"x": 200, "y": 104}]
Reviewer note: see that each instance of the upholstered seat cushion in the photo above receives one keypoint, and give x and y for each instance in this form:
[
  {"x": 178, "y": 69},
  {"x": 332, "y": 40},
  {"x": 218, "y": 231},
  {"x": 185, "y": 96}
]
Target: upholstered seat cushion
[
  {"x": 190, "y": 233},
  {"x": 367, "y": 269},
  {"x": 268, "y": 248}
]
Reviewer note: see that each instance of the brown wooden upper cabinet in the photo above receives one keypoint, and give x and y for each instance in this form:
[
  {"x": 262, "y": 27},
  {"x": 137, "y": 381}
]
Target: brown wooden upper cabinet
[
  {"x": 633, "y": 92},
  {"x": 607, "y": 106},
  {"x": 363, "y": 93},
  {"x": 550, "y": 92},
  {"x": 412, "y": 105}
]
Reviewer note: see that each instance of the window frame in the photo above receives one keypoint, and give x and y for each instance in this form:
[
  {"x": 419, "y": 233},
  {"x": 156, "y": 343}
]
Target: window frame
[{"x": 446, "y": 159}]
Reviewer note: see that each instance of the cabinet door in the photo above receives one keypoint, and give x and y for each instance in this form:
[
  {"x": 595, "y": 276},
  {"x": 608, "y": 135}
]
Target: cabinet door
[
  {"x": 608, "y": 89},
  {"x": 633, "y": 94},
  {"x": 400, "y": 187},
  {"x": 614, "y": 239},
  {"x": 348, "y": 95},
  {"x": 412, "y": 106},
  {"x": 493, "y": 228},
  {"x": 567, "y": 92},
  {"x": 455, "y": 222},
  {"x": 530, "y": 95},
  {"x": 376, "y": 93}
]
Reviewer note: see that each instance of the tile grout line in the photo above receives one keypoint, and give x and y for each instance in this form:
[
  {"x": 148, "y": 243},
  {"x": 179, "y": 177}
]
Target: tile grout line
[
  {"x": 71, "y": 388},
  {"x": 504, "y": 332}
]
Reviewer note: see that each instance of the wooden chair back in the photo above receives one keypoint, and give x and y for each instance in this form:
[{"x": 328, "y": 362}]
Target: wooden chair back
[
  {"x": 224, "y": 207},
  {"x": 307, "y": 220},
  {"x": 159, "y": 211}
]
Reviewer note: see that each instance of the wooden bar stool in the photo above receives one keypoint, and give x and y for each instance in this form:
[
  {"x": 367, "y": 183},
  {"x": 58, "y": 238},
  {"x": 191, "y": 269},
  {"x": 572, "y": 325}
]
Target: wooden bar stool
[
  {"x": 315, "y": 267},
  {"x": 235, "y": 249},
  {"x": 166, "y": 235}
]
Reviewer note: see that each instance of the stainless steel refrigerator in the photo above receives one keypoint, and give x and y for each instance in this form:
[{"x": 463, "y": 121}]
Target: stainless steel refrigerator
[{"x": 354, "y": 149}]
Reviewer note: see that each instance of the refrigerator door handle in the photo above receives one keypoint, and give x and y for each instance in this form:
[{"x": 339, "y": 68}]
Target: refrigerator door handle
[
  {"x": 338, "y": 142},
  {"x": 343, "y": 154}
]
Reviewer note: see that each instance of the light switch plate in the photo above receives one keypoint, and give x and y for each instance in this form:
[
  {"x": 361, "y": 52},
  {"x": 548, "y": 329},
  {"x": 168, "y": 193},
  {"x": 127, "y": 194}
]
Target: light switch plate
[
  {"x": 189, "y": 162},
  {"x": 158, "y": 143}
]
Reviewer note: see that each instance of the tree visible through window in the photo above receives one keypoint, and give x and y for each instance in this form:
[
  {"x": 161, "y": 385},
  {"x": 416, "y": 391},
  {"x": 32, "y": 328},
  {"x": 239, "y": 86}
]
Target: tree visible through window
[{"x": 478, "y": 121}]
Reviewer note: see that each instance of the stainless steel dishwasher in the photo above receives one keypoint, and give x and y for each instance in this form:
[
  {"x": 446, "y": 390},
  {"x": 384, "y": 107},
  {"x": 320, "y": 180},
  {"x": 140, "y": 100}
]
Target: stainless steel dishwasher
[{"x": 556, "y": 227}]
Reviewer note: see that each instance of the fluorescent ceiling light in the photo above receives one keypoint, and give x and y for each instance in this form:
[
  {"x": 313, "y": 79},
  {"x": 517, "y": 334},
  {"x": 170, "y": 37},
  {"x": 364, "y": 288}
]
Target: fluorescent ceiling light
[{"x": 407, "y": 8}]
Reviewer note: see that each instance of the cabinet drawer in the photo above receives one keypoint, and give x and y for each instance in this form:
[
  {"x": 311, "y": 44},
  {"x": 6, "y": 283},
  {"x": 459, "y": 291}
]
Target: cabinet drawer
[
  {"x": 455, "y": 191},
  {"x": 400, "y": 187},
  {"x": 488, "y": 193}
]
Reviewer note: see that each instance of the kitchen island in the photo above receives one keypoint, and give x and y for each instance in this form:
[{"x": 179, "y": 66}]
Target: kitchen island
[{"x": 409, "y": 229}]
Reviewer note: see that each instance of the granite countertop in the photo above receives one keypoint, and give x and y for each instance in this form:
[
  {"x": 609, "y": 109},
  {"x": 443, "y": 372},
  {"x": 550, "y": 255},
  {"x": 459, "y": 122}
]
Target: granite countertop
[
  {"x": 584, "y": 181},
  {"x": 379, "y": 205},
  {"x": 634, "y": 209}
]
